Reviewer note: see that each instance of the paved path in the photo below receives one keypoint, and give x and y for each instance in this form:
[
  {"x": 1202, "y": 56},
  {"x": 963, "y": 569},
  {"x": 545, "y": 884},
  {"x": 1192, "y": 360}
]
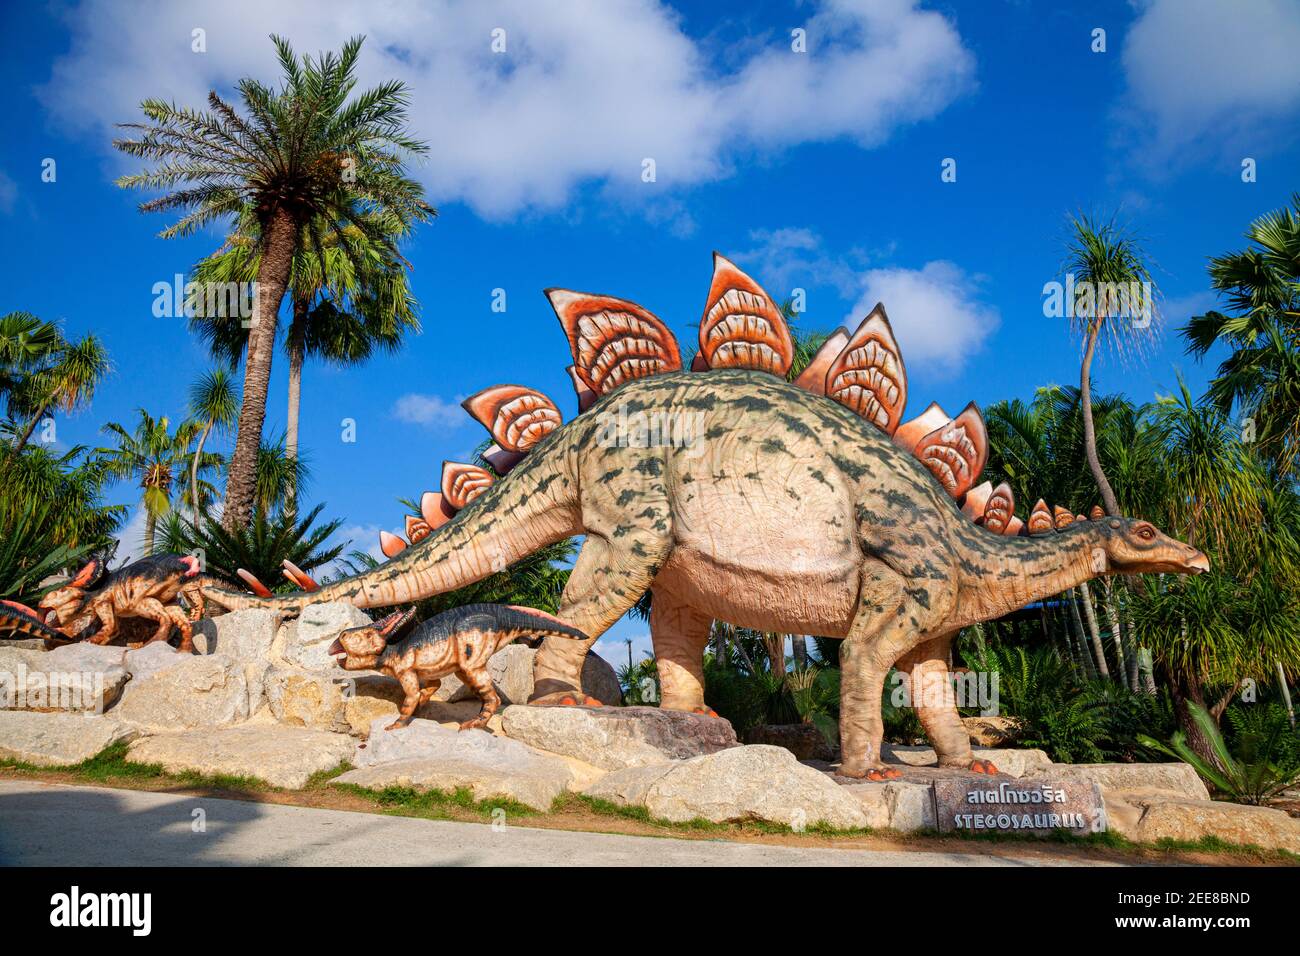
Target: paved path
[{"x": 58, "y": 825}]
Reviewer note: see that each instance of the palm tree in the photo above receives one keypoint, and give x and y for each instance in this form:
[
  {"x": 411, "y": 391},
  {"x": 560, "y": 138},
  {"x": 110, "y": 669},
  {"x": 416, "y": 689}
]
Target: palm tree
[
  {"x": 55, "y": 373},
  {"x": 214, "y": 405},
  {"x": 1261, "y": 285},
  {"x": 279, "y": 476},
  {"x": 153, "y": 455},
  {"x": 1112, "y": 286},
  {"x": 350, "y": 298},
  {"x": 306, "y": 157}
]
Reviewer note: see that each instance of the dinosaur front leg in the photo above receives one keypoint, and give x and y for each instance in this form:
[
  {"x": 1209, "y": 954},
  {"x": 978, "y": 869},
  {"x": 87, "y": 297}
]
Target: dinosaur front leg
[
  {"x": 108, "y": 624},
  {"x": 936, "y": 706},
  {"x": 481, "y": 683},
  {"x": 607, "y": 579},
  {"x": 680, "y": 633}
]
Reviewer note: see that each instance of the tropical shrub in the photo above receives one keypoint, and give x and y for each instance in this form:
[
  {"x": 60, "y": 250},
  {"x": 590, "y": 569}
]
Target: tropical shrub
[{"x": 30, "y": 551}]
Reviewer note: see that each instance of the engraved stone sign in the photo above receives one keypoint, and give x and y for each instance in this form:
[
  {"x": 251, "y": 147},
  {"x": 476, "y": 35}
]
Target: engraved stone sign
[{"x": 1018, "y": 806}]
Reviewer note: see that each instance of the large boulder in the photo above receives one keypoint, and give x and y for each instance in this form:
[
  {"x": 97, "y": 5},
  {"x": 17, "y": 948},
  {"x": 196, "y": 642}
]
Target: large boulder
[
  {"x": 735, "y": 785},
  {"x": 1150, "y": 815},
  {"x": 77, "y": 678},
  {"x": 993, "y": 731},
  {"x": 281, "y": 756},
  {"x": 334, "y": 700},
  {"x": 199, "y": 691},
  {"x": 244, "y": 635},
  {"x": 616, "y": 737},
  {"x": 305, "y": 641},
  {"x": 1176, "y": 778},
  {"x": 901, "y": 805},
  {"x": 151, "y": 659},
  {"x": 427, "y": 756},
  {"x": 57, "y": 740},
  {"x": 1014, "y": 762},
  {"x": 511, "y": 669}
]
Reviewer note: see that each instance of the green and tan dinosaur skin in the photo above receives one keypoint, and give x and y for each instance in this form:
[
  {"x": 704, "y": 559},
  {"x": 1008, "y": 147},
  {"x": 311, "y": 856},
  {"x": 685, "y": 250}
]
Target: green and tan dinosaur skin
[{"x": 789, "y": 513}]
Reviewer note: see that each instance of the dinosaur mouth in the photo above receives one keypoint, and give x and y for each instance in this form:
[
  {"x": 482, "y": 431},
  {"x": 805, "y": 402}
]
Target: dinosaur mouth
[{"x": 337, "y": 650}]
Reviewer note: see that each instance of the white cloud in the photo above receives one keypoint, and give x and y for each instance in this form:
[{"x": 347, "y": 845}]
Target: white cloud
[
  {"x": 584, "y": 93},
  {"x": 430, "y": 410},
  {"x": 130, "y": 539},
  {"x": 935, "y": 312},
  {"x": 797, "y": 257},
  {"x": 1208, "y": 73}
]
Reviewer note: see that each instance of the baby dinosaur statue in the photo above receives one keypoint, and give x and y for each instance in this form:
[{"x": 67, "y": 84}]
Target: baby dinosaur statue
[
  {"x": 148, "y": 588},
  {"x": 804, "y": 507},
  {"x": 459, "y": 641}
]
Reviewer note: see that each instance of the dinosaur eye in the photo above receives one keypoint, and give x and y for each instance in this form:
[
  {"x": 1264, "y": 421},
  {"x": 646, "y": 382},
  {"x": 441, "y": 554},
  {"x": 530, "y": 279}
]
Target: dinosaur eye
[{"x": 1146, "y": 534}]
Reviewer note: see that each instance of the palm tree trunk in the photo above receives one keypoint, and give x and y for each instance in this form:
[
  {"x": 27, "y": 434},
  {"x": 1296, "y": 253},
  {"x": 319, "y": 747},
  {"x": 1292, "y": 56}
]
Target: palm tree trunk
[
  {"x": 281, "y": 234},
  {"x": 26, "y": 435},
  {"x": 799, "y": 648},
  {"x": 1090, "y": 613},
  {"x": 194, "y": 470},
  {"x": 297, "y": 353},
  {"x": 1089, "y": 432},
  {"x": 1112, "y": 617},
  {"x": 1286, "y": 692},
  {"x": 150, "y": 525},
  {"x": 1089, "y": 667}
]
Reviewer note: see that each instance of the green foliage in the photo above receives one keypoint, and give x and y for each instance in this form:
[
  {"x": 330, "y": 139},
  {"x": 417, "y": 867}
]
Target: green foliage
[
  {"x": 260, "y": 548},
  {"x": 30, "y": 551},
  {"x": 1263, "y": 760},
  {"x": 640, "y": 682}
]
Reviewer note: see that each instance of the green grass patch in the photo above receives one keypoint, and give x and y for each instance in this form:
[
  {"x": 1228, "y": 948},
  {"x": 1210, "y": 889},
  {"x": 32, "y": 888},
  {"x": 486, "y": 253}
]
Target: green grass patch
[
  {"x": 435, "y": 804},
  {"x": 698, "y": 825}
]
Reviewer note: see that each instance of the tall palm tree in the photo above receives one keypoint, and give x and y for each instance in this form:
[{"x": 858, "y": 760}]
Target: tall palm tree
[
  {"x": 26, "y": 343},
  {"x": 307, "y": 156},
  {"x": 1261, "y": 285},
  {"x": 1107, "y": 265},
  {"x": 350, "y": 298},
  {"x": 214, "y": 405},
  {"x": 153, "y": 455}
]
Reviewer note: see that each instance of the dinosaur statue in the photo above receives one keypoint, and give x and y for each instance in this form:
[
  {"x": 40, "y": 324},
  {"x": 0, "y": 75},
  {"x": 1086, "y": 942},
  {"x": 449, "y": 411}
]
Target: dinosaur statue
[
  {"x": 806, "y": 507},
  {"x": 458, "y": 641},
  {"x": 148, "y": 588}
]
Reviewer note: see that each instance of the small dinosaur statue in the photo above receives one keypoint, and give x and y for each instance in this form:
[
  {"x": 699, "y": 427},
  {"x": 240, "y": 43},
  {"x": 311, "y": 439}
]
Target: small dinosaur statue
[
  {"x": 798, "y": 507},
  {"x": 148, "y": 588},
  {"x": 458, "y": 641}
]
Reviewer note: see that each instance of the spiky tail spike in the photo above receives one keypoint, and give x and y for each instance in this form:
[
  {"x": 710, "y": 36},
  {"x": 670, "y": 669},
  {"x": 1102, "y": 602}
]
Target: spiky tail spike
[
  {"x": 956, "y": 452},
  {"x": 391, "y": 545},
  {"x": 299, "y": 577},
  {"x": 912, "y": 431},
  {"x": 1001, "y": 508},
  {"x": 742, "y": 327},
  {"x": 544, "y": 509},
  {"x": 518, "y": 417},
  {"x": 813, "y": 378},
  {"x": 613, "y": 340},
  {"x": 868, "y": 376},
  {"x": 1040, "y": 518}
]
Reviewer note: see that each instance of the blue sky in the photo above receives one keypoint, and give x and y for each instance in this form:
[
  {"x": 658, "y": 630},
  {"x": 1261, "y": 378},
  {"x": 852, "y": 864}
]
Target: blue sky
[{"x": 818, "y": 170}]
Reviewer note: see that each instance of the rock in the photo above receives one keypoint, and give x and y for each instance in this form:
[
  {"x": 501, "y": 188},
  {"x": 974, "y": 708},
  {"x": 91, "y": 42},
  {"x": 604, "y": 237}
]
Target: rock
[
  {"x": 992, "y": 731},
  {"x": 735, "y": 785},
  {"x": 895, "y": 804},
  {"x": 152, "y": 658},
  {"x": 56, "y": 740},
  {"x": 1175, "y": 778},
  {"x": 305, "y": 642},
  {"x": 282, "y": 756},
  {"x": 1151, "y": 815},
  {"x": 25, "y": 644},
  {"x": 320, "y": 699},
  {"x": 616, "y": 737},
  {"x": 600, "y": 681},
  {"x": 243, "y": 635},
  {"x": 77, "y": 678},
  {"x": 1014, "y": 762},
  {"x": 204, "y": 691},
  {"x": 805, "y": 741},
  {"x": 425, "y": 755}
]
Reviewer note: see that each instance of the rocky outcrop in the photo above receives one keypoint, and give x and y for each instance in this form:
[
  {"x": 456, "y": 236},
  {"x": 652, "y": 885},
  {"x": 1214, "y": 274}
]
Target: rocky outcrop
[
  {"x": 199, "y": 691},
  {"x": 992, "y": 731},
  {"x": 1175, "y": 778},
  {"x": 152, "y": 659},
  {"x": 1147, "y": 816},
  {"x": 305, "y": 641},
  {"x": 243, "y": 635},
  {"x": 74, "y": 678},
  {"x": 57, "y": 740},
  {"x": 805, "y": 741},
  {"x": 735, "y": 785},
  {"x": 616, "y": 737},
  {"x": 901, "y": 805},
  {"x": 1014, "y": 762},
  {"x": 281, "y": 756}
]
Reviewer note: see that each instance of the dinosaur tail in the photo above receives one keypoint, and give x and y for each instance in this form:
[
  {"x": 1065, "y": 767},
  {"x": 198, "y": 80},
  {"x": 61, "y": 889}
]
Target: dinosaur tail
[
  {"x": 535, "y": 505},
  {"x": 21, "y": 619}
]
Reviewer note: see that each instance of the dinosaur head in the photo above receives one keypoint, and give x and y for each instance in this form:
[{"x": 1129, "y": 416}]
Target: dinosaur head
[
  {"x": 1134, "y": 546},
  {"x": 64, "y": 603},
  {"x": 359, "y": 648}
]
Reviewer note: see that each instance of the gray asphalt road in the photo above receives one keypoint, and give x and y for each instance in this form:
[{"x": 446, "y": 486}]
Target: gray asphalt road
[{"x": 53, "y": 824}]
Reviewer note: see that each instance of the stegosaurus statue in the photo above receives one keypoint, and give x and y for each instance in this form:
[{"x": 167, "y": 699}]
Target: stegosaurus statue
[{"x": 809, "y": 507}]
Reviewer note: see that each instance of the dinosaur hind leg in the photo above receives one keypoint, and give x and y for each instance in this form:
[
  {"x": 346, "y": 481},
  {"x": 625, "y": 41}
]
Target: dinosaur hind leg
[
  {"x": 480, "y": 681},
  {"x": 608, "y": 578},
  {"x": 936, "y": 705},
  {"x": 680, "y": 633}
]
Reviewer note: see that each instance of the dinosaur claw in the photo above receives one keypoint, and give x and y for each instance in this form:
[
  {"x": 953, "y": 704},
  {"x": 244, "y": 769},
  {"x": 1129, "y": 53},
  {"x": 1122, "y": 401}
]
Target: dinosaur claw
[
  {"x": 299, "y": 577},
  {"x": 591, "y": 702}
]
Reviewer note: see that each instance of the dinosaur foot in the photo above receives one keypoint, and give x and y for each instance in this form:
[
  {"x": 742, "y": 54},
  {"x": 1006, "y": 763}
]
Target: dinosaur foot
[
  {"x": 476, "y": 724},
  {"x": 983, "y": 766},
  {"x": 704, "y": 711},
  {"x": 877, "y": 774},
  {"x": 565, "y": 699},
  {"x": 399, "y": 723}
]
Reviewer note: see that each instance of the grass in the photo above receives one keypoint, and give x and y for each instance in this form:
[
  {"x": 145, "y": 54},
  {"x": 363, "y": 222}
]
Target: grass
[{"x": 111, "y": 768}]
